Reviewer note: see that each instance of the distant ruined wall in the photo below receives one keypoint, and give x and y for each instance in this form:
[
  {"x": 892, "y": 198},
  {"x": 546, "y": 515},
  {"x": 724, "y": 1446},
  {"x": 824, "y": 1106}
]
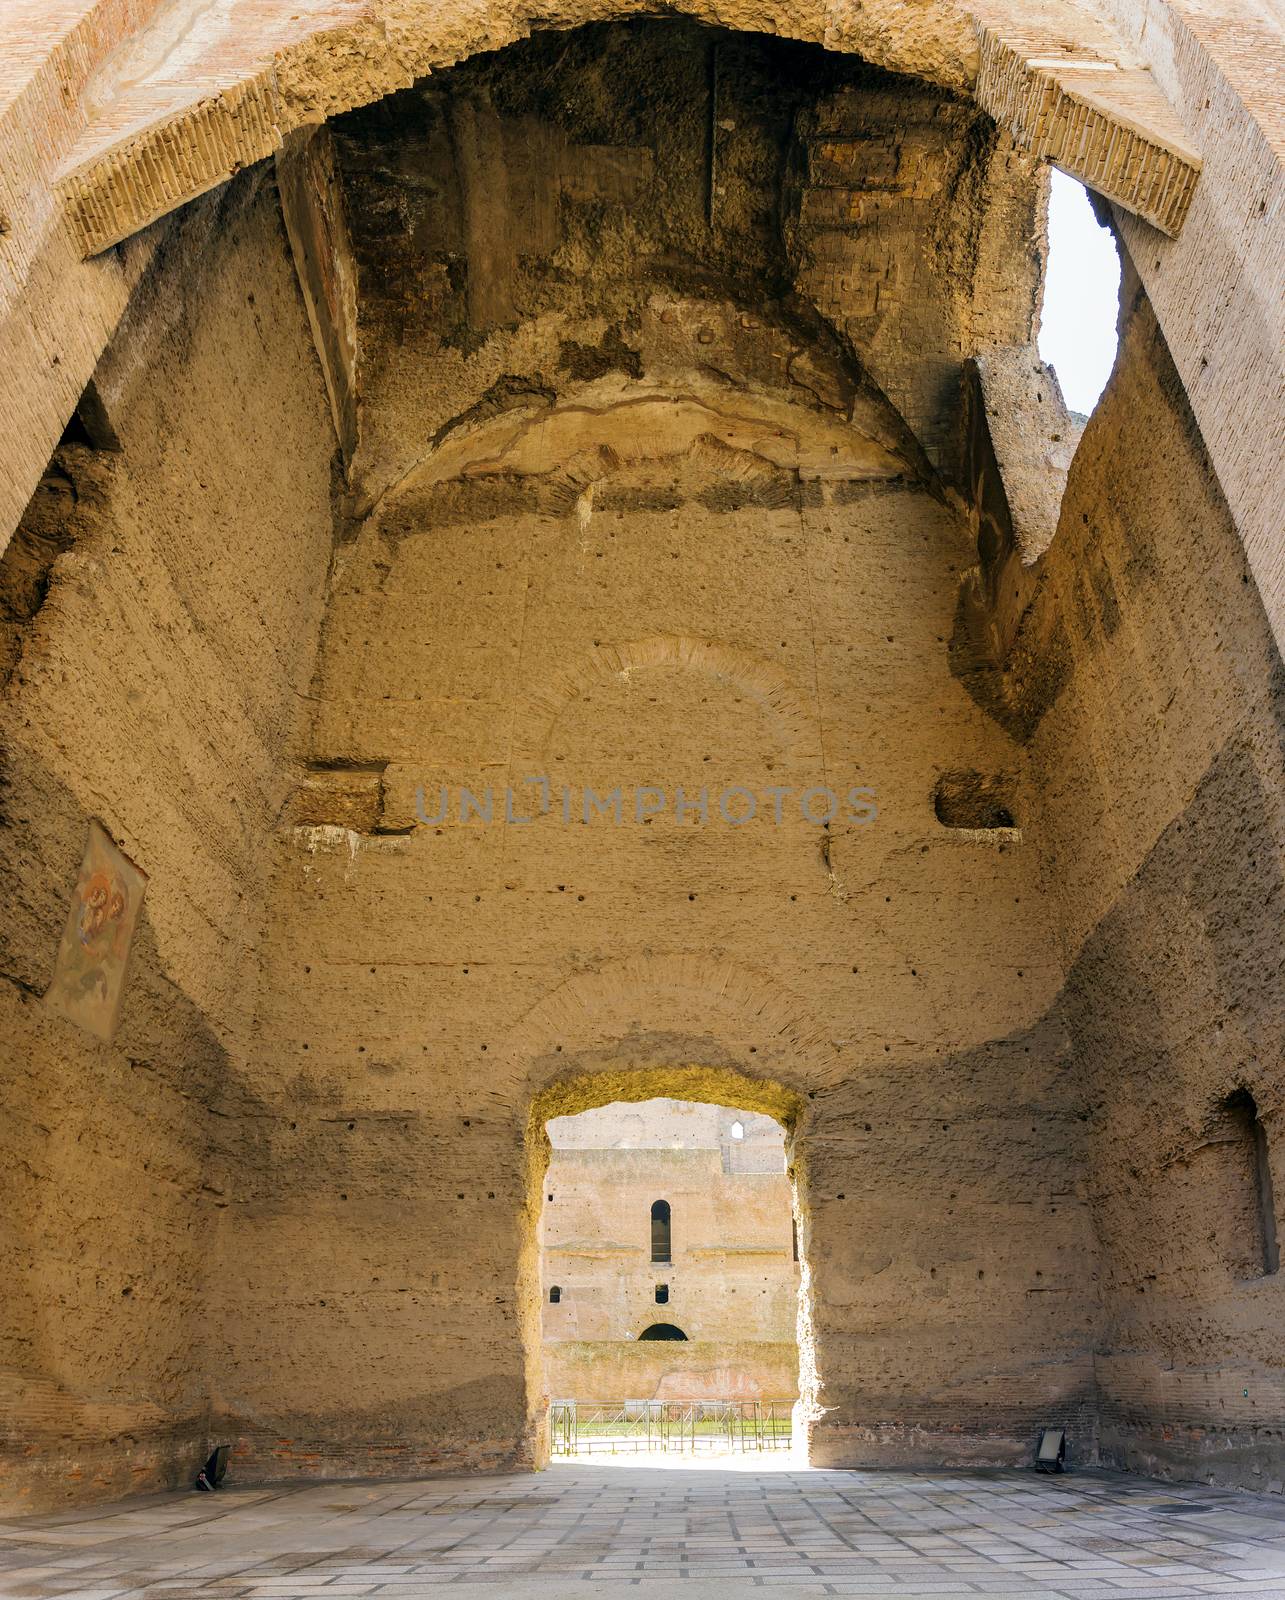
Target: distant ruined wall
[
  {"x": 729, "y": 1280},
  {"x": 607, "y": 1371},
  {"x": 730, "y": 1271},
  {"x": 160, "y": 606}
]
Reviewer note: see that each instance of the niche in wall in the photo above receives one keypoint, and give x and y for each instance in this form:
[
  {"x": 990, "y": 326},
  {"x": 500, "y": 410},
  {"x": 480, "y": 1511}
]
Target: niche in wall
[
  {"x": 1247, "y": 1204},
  {"x": 973, "y": 800}
]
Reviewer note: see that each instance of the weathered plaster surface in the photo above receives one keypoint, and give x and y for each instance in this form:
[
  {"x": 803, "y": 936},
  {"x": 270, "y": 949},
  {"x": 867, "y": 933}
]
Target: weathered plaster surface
[
  {"x": 160, "y": 602},
  {"x": 662, "y": 477}
]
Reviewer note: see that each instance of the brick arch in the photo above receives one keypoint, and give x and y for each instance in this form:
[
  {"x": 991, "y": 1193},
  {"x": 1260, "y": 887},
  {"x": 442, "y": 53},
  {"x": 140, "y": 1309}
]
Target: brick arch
[
  {"x": 755, "y": 676},
  {"x": 94, "y": 146},
  {"x": 709, "y": 1023},
  {"x": 1061, "y": 80}
]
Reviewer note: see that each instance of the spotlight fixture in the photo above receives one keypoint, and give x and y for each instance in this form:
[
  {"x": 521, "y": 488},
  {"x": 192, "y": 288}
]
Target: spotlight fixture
[
  {"x": 1050, "y": 1452},
  {"x": 214, "y": 1471}
]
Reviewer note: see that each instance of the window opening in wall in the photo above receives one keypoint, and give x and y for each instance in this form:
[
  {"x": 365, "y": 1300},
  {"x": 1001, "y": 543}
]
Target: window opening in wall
[
  {"x": 1081, "y": 296},
  {"x": 660, "y": 1231},
  {"x": 555, "y": 1295},
  {"x": 727, "y": 1377},
  {"x": 1258, "y": 1202}
]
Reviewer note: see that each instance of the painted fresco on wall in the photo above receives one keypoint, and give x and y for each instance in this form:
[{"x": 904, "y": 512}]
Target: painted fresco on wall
[{"x": 89, "y": 972}]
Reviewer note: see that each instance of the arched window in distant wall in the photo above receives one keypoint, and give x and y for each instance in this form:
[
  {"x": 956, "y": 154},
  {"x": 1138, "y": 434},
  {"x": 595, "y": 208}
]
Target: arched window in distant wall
[
  {"x": 1261, "y": 1249},
  {"x": 660, "y": 1232},
  {"x": 555, "y": 1295},
  {"x": 663, "y": 1330}
]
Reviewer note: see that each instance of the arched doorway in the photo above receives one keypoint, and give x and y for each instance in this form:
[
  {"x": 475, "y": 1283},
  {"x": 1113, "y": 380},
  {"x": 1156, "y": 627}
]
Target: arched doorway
[{"x": 731, "y": 1355}]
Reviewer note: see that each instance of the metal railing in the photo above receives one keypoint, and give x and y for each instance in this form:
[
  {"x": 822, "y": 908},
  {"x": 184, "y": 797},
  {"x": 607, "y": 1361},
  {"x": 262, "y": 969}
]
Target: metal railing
[{"x": 621, "y": 1427}]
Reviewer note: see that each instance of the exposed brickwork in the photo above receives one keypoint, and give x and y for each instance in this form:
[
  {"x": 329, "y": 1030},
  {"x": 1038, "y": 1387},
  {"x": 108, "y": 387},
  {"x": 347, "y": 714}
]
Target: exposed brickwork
[
  {"x": 1167, "y": 842},
  {"x": 1105, "y": 124}
]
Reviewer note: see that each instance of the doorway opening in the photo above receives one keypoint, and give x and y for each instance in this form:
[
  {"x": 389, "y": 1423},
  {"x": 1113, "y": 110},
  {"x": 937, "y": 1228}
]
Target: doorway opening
[{"x": 702, "y": 1193}]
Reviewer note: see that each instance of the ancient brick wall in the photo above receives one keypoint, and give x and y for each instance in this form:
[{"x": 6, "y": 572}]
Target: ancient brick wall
[
  {"x": 625, "y": 515},
  {"x": 160, "y": 605},
  {"x": 725, "y": 1275},
  {"x": 1159, "y": 767},
  {"x": 657, "y": 487},
  {"x": 609, "y": 1371}
]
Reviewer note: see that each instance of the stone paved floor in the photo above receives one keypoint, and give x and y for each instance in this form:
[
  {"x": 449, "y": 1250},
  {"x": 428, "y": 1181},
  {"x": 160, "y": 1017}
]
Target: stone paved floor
[{"x": 602, "y": 1532}]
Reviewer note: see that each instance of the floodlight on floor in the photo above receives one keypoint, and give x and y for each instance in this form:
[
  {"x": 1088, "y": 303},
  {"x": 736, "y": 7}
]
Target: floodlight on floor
[
  {"x": 215, "y": 1469},
  {"x": 1050, "y": 1452}
]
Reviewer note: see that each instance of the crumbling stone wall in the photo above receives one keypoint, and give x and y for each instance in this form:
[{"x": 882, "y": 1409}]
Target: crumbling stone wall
[
  {"x": 160, "y": 606},
  {"x": 630, "y": 512},
  {"x": 656, "y": 485},
  {"x": 498, "y": 204},
  {"x": 1162, "y": 797}
]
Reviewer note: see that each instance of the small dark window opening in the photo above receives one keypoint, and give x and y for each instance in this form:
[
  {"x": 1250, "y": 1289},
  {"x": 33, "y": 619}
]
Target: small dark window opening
[
  {"x": 663, "y": 1330},
  {"x": 794, "y": 1237},
  {"x": 660, "y": 1232},
  {"x": 662, "y": 1294},
  {"x": 555, "y": 1295},
  {"x": 1260, "y": 1201}
]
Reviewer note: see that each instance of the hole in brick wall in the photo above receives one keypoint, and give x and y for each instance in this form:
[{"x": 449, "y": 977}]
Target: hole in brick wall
[
  {"x": 972, "y": 800},
  {"x": 661, "y": 1231},
  {"x": 70, "y": 503}
]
